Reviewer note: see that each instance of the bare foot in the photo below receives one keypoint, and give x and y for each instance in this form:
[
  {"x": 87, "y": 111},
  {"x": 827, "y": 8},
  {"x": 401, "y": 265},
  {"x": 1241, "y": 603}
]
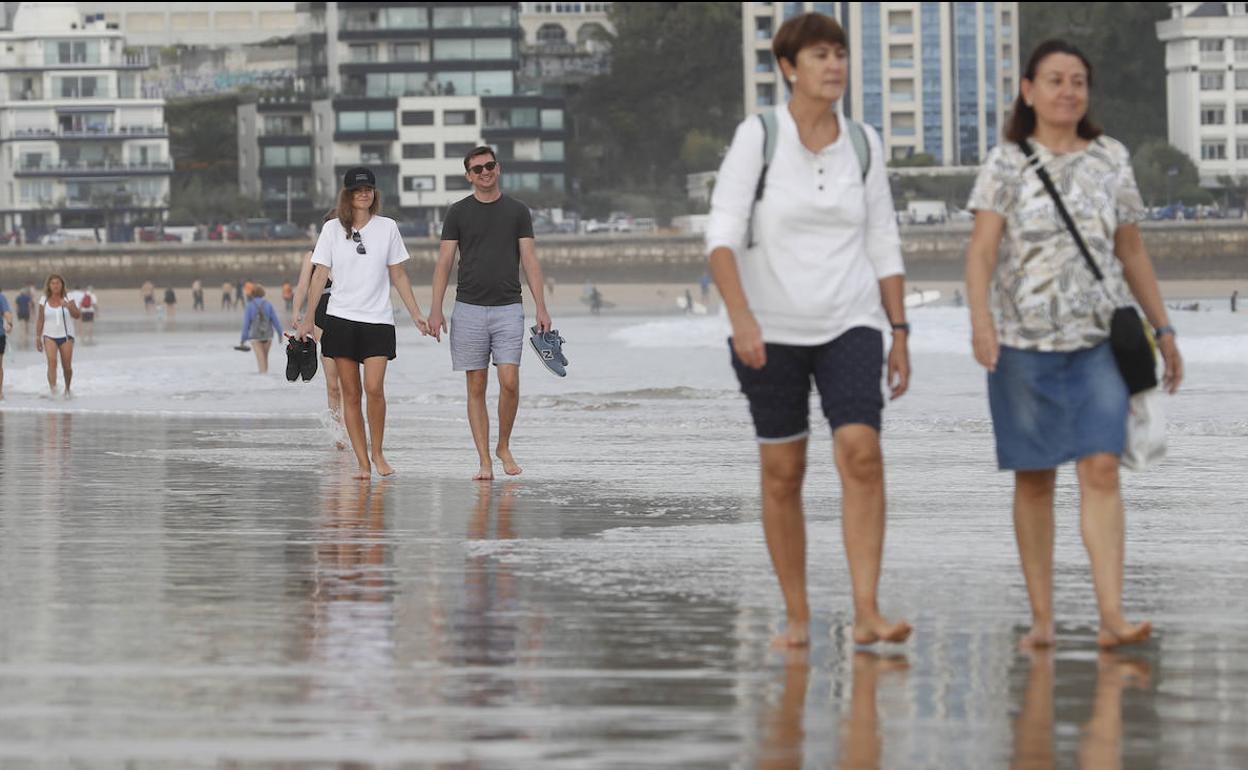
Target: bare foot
[
  {"x": 1125, "y": 633},
  {"x": 485, "y": 474},
  {"x": 363, "y": 474},
  {"x": 879, "y": 664},
  {"x": 796, "y": 634},
  {"x": 383, "y": 467},
  {"x": 509, "y": 463},
  {"x": 1128, "y": 671},
  {"x": 1040, "y": 637},
  {"x": 877, "y": 629}
]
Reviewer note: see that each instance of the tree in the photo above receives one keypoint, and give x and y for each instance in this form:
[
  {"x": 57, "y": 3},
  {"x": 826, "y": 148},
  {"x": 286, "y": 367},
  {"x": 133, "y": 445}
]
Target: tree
[
  {"x": 675, "y": 74},
  {"x": 1128, "y": 61},
  {"x": 1166, "y": 175},
  {"x": 203, "y": 140}
]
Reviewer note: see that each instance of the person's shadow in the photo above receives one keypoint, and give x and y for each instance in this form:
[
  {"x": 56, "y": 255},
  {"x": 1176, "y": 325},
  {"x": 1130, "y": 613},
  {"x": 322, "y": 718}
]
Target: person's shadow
[{"x": 1100, "y": 743}]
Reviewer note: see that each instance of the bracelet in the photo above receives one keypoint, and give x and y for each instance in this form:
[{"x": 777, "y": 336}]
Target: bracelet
[
  {"x": 902, "y": 327},
  {"x": 1163, "y": 330}
]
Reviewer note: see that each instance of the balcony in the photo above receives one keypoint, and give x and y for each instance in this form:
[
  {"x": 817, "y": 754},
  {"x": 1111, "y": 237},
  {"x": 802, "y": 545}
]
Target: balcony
[
  {"x": 100, "y": 132},
  {"x": 97, "y": 168}
]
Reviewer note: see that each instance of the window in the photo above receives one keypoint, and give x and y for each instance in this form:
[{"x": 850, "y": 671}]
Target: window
[
  {"x": 552, "y": 120},
  {"x": 408, "y": 52},
  {"x": 80, "y": 87},
  {"x": 374, "y": 153},
  {"x": 1241, "y": 81},
  {"x": 459, "y": 118},
  {"x": 455, "y": 182},
  {"x": 457, "y": 150},
  {"x": 71, "y": 52},
  {"x": 1213, "y": 150},
  {"x": 418, "y": 183},
  {"x": 552, "y": 150},
  {"x": 762, "y": 28},
  {"x": 1241, "y": 114},
  {"x": 363, "y": 53},
  {"x": 418, "y": 118},
  {"x": 765, "y": 94},
  {"x": 366, "y": 121},
  {"x": 418, "y": 151},
  {"x": 1241, "y": 49},
  {"x": 286, "y": 157},
  {"x": 900, "y": 56},
  {"x": 764, "y": 62},
  {"x": 1241, "y": 149},
  {"x": 1212, "y": 116},
  {"x": 1214, "y": 81}
]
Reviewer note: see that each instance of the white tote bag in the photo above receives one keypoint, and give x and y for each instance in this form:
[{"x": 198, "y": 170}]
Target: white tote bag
[{"x": 1146, "y": 431}]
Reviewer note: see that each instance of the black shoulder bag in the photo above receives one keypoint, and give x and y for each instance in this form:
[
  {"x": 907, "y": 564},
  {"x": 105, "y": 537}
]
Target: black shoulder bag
[{"x": 1128, "y": 336}]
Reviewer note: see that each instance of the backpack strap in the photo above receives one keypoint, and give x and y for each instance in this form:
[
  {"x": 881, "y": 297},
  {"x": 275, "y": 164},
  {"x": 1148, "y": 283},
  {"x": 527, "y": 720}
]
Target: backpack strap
[
  {"x": 767, "y": 119},
  {"x": 858, "y": 136}
]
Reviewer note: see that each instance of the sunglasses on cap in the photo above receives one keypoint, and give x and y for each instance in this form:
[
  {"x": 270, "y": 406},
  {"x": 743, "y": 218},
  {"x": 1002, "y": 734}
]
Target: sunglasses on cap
[
  {"x": 359, "y": 242},
  {"x": 490, "y": 166}
]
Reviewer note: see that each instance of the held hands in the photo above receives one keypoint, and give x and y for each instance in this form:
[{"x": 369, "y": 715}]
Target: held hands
[
  {"x": 747, "y": 341},
  {"x": 436, "y": 324},
  {"x": 1174, "y": 363},
  {"x": 984, "y": 342},
  {"x": 421, "y": 323}
]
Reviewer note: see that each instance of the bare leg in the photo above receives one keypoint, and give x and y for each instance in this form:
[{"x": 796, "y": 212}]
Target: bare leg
[
  {"x": 1101, "y": 745},
  {"x": 784, "y": 738},
  {"x": 862, "y": 745},
  {"x": 783, "y": 470},
  {"x": 508, "y": 405},
  {"x": 1, "y": 378},
  {"x": 1033, "y": 732},
  {"x": 67, "y": 363},
  {"x": 1102, "y": 524},
  {"x": 49, "y": 350},
  {"x": 263, "y": 348},
  {"x": 479, "y": 421},
  {"x": 375, "y": 387},
  {"x": 1033, "y": 530},
  {"x": 861, "y": 466},
  {"x": 353, "y": 413}
]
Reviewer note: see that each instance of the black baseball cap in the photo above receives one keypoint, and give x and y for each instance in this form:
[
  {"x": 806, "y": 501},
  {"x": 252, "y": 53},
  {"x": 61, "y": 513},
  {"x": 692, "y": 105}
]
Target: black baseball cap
[{"x": 358, "y": 177}]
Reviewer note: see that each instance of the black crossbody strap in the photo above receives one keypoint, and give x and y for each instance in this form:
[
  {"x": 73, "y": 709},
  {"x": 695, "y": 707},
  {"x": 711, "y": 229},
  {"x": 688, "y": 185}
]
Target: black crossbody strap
[{"x": 1034, "y": 162}]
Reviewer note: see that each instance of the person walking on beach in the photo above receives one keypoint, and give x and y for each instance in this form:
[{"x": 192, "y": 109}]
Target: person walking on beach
[
  {"x": 197, "y": 295},
  {"x": 89, "y": 303},
  {"x": 6, "y": 326},
  {"x": 171, "y": 303},
  {"x": 333, "y": 388},
  {"x": 365, "y": 252},
  {"x": 1042, "y": 332},
  {"x": 240, "y": 292},
  {"x": 288, "y": 299},
  {"x": 227, "y": 296},
  {"x": 260, "y": 325},
  {"x": 493, "y": 234},
  {"x": 148, "y": 292},
  {"x": 25, "y": 301},
  {"x": 1235, "y": 301},
  {"x": 54, "y": 330},
  {"x": 811, "y": 296}
]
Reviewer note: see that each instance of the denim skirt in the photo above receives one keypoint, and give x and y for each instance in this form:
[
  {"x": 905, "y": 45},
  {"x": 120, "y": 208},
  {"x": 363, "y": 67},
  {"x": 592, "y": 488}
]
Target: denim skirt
[{"x": 1051, "y": 408}]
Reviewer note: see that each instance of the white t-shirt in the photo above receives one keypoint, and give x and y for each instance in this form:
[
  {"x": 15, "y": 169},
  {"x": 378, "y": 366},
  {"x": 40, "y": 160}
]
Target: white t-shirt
[
  {"x": 57, "y": 322},
  {"x": 361, "y": 281},
  {"x": 823, "y": 238}
]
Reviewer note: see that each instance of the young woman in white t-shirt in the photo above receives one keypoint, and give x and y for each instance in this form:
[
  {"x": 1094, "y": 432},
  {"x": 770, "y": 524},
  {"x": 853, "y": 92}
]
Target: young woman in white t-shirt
[
  {"x": 54, "y": 330},
  {"x": 366, "y": 254}
]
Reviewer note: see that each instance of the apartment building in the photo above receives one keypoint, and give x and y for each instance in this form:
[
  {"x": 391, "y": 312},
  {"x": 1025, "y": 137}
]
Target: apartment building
[
  {"x": 564, "y": 45},
  {"x": 934, "y": 78},
  {"x": 1207, "y": 85},
  {"x": 83, "y": 146},
  {"x": 406, "y": 89},
  {"x": 207, "y": 25}
]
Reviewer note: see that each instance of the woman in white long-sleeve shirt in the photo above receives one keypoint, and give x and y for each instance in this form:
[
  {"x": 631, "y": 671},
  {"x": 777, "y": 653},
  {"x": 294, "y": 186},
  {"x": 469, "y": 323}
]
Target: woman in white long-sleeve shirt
[{"x": 811, "y": 277}]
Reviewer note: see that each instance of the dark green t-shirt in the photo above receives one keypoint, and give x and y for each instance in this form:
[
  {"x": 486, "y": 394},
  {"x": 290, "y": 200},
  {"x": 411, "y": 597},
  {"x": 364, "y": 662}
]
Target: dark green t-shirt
[{"x": 489, "y": 248}]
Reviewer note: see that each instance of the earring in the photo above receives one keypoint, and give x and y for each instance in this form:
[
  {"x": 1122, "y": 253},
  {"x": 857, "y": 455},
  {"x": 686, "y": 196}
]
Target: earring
[{"x": 792, "y": 78}]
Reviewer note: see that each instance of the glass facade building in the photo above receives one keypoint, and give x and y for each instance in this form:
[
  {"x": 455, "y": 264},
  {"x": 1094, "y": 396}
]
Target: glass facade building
[{"x": 933, "y": 85}]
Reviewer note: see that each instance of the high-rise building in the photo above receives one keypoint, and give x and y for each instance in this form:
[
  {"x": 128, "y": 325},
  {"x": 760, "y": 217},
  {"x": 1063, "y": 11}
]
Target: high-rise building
[
  {"x": 934, "y": 78},
  {"x": 85, "y": 148},
  {"x": 564, "y": 45},
  {"x": 406, "y": 89},
  {"x": 1207, "y": 85}
]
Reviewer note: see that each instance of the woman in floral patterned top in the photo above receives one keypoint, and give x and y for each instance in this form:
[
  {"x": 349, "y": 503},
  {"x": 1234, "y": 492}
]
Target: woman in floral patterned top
[{"x": 1042, "y": 333}]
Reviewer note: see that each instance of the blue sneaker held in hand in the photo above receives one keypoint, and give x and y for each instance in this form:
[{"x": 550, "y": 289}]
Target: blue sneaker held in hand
[{"x": 549, "y": 348}]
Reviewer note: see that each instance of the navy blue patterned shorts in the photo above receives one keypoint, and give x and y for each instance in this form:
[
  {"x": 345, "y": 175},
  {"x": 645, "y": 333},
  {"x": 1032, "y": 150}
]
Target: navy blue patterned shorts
[{"x": 847, "y": 371}]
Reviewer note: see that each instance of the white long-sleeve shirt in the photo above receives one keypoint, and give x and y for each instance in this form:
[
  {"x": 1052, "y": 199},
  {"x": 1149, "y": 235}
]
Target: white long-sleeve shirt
[{"x": 822, "y": 245}]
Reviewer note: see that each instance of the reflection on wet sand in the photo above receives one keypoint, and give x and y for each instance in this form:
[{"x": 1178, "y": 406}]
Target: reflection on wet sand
[
  {"x": 861, "y": 742},
  {"x": 1101, "y": 735}
]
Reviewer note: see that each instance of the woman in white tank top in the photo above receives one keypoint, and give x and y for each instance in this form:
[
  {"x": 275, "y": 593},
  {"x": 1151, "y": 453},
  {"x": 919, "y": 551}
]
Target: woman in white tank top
[{"x": 54, "y": 330}]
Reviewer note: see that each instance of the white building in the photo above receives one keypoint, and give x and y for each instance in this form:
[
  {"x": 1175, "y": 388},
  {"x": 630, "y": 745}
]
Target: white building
[
  {"x": 1207, "y": 85},
  {"x": 934, "y": 78},
  {"x": 208, "y": 25},
  {"x": 564, "y": 45},
  {"x": 82, "y": 146}
]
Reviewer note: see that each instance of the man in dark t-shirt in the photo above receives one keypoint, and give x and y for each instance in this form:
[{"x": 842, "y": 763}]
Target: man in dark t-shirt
[{"x": 493, "y": 234}]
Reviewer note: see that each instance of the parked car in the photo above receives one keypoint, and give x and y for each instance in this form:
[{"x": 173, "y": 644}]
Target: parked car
[{"x": 286, "y": 231}]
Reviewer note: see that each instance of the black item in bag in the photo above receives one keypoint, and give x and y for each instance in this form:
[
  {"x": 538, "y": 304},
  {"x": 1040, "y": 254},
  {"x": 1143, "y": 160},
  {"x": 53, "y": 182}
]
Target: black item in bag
[{"x": 1128, "y": 337}]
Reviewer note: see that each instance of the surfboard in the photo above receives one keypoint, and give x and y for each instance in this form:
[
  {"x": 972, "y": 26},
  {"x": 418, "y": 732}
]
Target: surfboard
[
  {"x": 698, "y": 307},
  {"x": 920, "y": 298}
]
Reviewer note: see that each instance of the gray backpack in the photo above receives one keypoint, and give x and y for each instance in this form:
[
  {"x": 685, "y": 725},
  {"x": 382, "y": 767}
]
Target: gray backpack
[
  {"x": 261, "y": 327},
  {"x": 857, "y": 136}
]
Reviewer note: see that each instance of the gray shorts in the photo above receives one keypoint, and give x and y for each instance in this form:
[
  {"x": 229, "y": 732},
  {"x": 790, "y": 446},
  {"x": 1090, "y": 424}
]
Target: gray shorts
[{"x": 479, "y": 331}]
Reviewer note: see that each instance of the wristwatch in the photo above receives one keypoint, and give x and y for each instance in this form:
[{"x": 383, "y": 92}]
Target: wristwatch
[
  {"x": 1162, "y": 330},
  {"x": 902, "y": 327}
]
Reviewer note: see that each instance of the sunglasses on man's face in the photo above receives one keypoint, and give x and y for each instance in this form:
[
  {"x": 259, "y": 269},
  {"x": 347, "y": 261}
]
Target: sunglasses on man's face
[
  {"x": 477, "y": 169},
  {"x": 359, "y": 243}
]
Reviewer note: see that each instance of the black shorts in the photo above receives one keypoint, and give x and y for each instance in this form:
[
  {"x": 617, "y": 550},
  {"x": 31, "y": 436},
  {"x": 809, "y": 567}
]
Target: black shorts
[
  {"x": 847, "y": 371},
  {"x": 4, "y": 343},
  {"x": 88, "y": 316},
  {"x": 322, "y": 309},
  {"x": 23, "y": 315},
  {"x": 356, "y": 340}
]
